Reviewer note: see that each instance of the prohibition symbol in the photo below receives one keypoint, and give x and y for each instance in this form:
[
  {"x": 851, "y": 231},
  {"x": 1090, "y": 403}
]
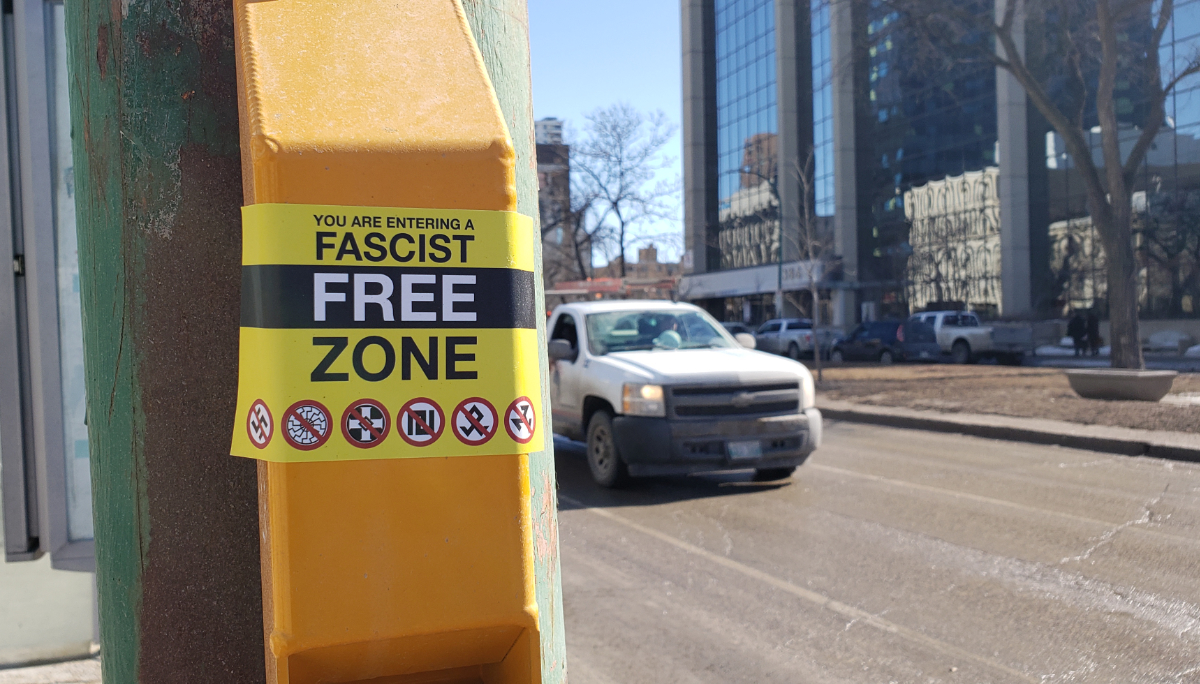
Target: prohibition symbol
[
  {"x": 260, "y": 425},
  {"x": 421, "y": 421},
  {"x": 474, "y": 421},
  {"x": 520, "y": 421},
  {"x": 365, "y": 423},
  {"x": 307, "y": 425}
]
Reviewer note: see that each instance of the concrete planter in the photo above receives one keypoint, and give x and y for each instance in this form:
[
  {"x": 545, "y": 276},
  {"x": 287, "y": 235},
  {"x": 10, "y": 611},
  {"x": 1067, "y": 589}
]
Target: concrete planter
[{"x": 1120, "y": 384}]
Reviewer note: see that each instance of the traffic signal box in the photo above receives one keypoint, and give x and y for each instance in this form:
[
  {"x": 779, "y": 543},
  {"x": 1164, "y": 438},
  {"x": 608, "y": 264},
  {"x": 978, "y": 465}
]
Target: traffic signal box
[{"x": 388, "y": 332}]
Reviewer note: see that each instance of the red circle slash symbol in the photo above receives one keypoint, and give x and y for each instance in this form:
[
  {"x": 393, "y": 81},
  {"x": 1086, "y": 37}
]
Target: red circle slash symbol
[
  {"x": 365, "y": 423},
  {"x": 259, "y": 424},
  {"x": 421, "y": 421},
  {"x": 474, "y": 421},
  {"x": 307, "y": 425},
  {"x": 520, "y": 420}
]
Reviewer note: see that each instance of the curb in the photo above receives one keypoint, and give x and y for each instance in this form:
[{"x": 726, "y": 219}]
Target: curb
[{"x": 1070, "y": 436}]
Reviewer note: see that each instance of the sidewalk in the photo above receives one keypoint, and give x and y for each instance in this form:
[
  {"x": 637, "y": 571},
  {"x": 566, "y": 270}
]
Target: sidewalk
[
  {"x": 1154, "y": 361},
  {"x": 1180, "y": 446},
  {"x": 74, "y": 672}
]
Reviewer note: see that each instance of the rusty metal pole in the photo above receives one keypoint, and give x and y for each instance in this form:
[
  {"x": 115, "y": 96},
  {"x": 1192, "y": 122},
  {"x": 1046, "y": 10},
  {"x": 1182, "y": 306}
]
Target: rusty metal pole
[{"x": 158, "y": 191}]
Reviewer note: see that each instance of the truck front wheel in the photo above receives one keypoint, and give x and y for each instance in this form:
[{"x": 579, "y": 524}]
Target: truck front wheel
[
  {"x": 961, "y": 352},
  {"x": 608, "y": 470}
]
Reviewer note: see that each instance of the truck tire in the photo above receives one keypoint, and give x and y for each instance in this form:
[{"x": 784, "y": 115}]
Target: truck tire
[
  {"x": 836, "y": 357},
  {"x": 961, "y": 352},
  {"x": 773, "y": 474},
  {"x": 886, "y": 358},
  {"x": 604, "y": 460},
  {"x": 793, "y": 352}
]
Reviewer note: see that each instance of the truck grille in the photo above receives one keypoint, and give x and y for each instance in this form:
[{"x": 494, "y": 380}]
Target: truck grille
[{"x": 735, "y": 400}]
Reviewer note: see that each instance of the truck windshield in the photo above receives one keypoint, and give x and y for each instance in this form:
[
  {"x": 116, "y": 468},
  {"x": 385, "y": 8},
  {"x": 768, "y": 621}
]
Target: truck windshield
[{"x": 632, "y": 330}]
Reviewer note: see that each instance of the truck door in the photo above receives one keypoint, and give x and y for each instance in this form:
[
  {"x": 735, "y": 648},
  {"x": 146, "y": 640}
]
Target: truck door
[
  {"x": 768, "y": 336},
  {"x": 565, "y": 404}
]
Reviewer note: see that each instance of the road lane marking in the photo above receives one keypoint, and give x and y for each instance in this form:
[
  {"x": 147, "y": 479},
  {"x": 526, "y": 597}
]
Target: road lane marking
[
  {"x": 995, "y": 502},
  {"x": 820, "y": 600}
]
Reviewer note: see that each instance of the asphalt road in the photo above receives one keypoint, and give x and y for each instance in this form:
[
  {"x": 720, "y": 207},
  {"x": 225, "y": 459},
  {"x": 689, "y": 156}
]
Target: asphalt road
[{"x": 891, "y": 556}]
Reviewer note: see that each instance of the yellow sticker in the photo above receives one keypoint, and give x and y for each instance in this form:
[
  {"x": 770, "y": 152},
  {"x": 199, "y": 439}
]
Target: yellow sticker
[{"x": 374, "y": 332}]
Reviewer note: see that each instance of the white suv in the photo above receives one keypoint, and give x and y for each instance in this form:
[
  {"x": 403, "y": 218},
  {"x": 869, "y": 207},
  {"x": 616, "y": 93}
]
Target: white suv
[{"x": 660, "y": 388}]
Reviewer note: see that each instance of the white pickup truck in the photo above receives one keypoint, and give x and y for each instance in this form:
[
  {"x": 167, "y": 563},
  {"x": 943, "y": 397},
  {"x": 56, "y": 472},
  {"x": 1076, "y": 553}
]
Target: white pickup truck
[
  {"x": 960, "y": 335},
  {"x": 660, "y": 388}
]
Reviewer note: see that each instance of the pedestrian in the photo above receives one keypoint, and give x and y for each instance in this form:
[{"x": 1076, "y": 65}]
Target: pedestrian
[
  {"x": 1093, "y": 332},
  {"x": 1077, "y": 331}
]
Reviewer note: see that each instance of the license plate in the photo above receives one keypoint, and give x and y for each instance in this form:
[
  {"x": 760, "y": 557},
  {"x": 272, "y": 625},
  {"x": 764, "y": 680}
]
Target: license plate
[{"x": 739, "y": 451}]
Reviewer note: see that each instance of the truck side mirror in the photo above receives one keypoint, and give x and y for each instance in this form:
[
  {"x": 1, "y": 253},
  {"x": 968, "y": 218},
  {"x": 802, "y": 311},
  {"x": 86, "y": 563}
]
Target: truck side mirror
[
  {"x": 746, "y": 340},
  {"x": 561, "y": 350}
]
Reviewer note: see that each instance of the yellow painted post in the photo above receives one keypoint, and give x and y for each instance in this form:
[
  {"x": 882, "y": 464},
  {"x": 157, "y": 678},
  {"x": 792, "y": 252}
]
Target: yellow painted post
[{"x": 399, "y": 562}]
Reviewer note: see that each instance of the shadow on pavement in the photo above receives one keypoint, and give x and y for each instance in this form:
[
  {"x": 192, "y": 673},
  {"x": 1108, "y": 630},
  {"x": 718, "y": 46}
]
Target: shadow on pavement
[{"x": 575, "y": 482}]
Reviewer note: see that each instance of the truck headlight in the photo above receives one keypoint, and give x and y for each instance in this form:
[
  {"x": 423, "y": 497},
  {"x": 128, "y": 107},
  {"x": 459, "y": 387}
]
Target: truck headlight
[
  {"x": 643, "y": 400},
  {"x": 808, "y": 394}
]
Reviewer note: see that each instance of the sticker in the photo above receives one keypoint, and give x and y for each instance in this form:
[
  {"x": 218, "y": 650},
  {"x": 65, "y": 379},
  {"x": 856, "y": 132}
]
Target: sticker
[
  {"x": 421, "y": 422},
  {"x": 260, "y": 426},
  {"x": 365, "y": 423},
  {"x": 341, "y": 303},
  {"x": 306, "y": 425},
  {"x": 520, "y": 421},
  {"x": 474, "y": 421}
]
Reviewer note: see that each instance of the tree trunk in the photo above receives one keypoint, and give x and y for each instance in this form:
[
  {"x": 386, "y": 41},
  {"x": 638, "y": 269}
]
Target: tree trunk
[
  {"x": 1122, "y": 286},
  {"x": 816, "y": 311}
]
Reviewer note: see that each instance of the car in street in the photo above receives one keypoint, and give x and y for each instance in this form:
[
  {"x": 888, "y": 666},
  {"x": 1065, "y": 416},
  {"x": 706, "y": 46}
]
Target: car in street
[
  {"x": 887, "y": 342},
  {"x": 966, "y": 340},
  {"x": 660, "y": 388}
]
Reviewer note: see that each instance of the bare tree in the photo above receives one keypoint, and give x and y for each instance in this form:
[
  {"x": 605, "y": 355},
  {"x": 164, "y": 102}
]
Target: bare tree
[
  {"x": 616, "y": 175},
  {"x": 1091, "y": 37},
  {"x": 578, "y": 235}
]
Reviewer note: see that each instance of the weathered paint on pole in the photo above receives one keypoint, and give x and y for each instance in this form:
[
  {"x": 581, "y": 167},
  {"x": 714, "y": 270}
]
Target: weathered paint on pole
[
  {"x": 158, "y": 190},
  {"x": 501, "y": 29},
  {"x": 154, "y": 116}
]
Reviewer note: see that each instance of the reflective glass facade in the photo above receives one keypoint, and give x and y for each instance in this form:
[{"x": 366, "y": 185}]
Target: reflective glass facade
[
  {"x": 822, "y": 102},
  {"x": 924, "y": 122},
  {"x": 747, "y": 117},
  {"x": 747, "y": 132}
]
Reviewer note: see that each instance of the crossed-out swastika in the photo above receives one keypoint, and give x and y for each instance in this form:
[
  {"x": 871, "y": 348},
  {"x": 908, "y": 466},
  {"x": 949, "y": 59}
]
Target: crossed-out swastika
[{"x": 260, "y": 425}]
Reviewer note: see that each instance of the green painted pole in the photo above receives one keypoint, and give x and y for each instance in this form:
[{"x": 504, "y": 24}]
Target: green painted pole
[
  {"x": 158, "y": 191},
  {"x": 501, "y": 29},
  {"x": 157, "y": 168}
]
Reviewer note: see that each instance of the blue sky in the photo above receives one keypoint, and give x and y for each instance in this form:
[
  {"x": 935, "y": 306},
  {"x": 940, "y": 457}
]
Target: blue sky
[{"x": 592, "y": 53}]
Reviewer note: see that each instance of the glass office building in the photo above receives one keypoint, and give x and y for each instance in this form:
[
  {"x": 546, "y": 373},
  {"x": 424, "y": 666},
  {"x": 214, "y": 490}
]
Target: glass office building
[
  {"x": 747, "y": 132},
  {"x": 904, "y": 152}
]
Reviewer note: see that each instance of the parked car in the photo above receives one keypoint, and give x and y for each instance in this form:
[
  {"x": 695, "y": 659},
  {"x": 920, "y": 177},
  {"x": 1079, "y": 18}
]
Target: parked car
[
  {"x": 736, "y": 328},
  {"x": 888, "y": 342},
  {"x": 790, "y": 336},
  {"x": 659, "y": 388},
  {"x": 960, "y": 334}
]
